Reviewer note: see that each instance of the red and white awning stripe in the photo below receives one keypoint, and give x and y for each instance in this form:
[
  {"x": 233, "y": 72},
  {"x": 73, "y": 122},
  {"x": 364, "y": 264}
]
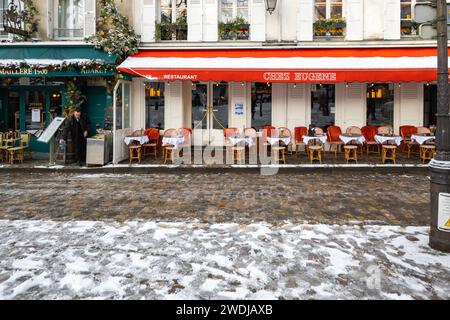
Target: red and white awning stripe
[{"x": 286, "y": 65}]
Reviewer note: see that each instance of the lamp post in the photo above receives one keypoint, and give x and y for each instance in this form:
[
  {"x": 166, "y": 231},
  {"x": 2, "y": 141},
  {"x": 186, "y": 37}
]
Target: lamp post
[
  {"x": 271, "y": 5},
  {"x": 440, "y": 165}
]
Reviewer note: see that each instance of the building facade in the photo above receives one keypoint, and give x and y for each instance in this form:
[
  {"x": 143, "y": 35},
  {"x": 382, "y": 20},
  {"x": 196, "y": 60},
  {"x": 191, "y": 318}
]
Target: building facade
[
  {"x": 172, "y": 30},
  {"x": 36, "y": 70}
]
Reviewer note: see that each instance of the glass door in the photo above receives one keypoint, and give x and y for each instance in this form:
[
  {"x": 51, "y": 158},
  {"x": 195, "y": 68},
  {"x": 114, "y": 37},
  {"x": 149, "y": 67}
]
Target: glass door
[{"x": 209, "y": 112}]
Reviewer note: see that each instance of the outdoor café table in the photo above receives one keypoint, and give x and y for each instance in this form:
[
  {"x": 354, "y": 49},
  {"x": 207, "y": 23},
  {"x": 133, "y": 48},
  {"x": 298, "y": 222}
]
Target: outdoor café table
[
  {"x": 383, "y": 139},
  {"x": 421, "y": 138},
  {"x": 322, "y": 138},
  {"x": 275, "y": 140},
  {"x": 174, "y": 141},
  {"x": 236, "y": 140},
  {"x": 140, "y": 139},
  {"x": 347, "y": 138}
]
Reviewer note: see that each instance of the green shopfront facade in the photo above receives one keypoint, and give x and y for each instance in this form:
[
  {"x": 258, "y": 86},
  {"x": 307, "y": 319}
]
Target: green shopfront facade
[{"x": 33, "y": 83}]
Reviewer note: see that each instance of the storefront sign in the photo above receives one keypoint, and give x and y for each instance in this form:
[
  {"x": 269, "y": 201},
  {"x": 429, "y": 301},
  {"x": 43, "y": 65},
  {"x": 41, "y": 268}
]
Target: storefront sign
[
  {"x": 13, "y": 19},
  {"x": 28, "y": 72},
  {"x": 444, "y": 212}
]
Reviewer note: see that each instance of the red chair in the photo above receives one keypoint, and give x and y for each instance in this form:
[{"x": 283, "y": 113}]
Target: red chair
[
  {"x": 299, "y": 132},
  {"x": 229, "y": 132},
  {"x": 369, "y": 133},
  {"x": 333, "y": 133},
  {"x": 406, "y": 132},
  {"x": 269, "y": 130},
  {"x": 151, "y": 147}
]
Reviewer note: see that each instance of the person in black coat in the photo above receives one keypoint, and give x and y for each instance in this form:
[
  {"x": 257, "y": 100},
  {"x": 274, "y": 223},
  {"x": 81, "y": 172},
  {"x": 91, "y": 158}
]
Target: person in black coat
[{"x": 78, "y": 127}]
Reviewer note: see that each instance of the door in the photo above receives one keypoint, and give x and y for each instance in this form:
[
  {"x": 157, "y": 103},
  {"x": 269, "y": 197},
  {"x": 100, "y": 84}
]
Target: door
[
  {"x": 209, "y": 112},
  {"x": 121, "y": 119}
]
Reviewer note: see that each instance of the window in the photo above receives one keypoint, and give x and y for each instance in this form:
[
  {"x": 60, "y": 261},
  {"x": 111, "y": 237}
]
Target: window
[
  {"x": 429, "y": 105},
  {"x": 173, "y": 23},
  {"x": 328, "y": 9},
  {"x": 328, "y": 18},
  {"x": 261, "y": 105},
  {"x": 70, "y": 19},
  {"x": 35, "y": 110},
  {"x": 233, "y": 11},
  {"x": 3, "y": 6},
  {"x": 407, "y": 27},
  {"x": 380, "y": 104},
  {"x": 154, "y": 105},
  {"x": 322, "y": 105}
]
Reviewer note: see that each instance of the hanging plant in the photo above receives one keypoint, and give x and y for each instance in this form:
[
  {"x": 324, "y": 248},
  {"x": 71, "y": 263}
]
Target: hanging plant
[
  {"x": 74, "y": 98},
  {"x": 114, "y": 32}
]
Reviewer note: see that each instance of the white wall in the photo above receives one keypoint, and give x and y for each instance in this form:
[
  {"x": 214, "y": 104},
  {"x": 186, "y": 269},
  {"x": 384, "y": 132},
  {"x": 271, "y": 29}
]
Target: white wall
[
  {"x": 137, "y": 104},
  {"x": 279, "y": 104},
  {"x": 173, "y": 109},
  {"x": 373, "y": 19},
  {"x": 350, "y": 105},
  {"x": 408, "y": 105}
]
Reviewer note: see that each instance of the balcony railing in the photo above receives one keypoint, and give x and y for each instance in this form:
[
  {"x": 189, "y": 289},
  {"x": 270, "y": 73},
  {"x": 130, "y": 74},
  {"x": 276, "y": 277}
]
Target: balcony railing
[{"x": 63, "y": 33}]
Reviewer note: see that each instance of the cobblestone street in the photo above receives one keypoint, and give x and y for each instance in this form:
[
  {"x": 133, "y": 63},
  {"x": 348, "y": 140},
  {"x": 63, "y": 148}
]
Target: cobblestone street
[
  {"x": 218, "y": 236},
  {"x": 226, "y": 197}
]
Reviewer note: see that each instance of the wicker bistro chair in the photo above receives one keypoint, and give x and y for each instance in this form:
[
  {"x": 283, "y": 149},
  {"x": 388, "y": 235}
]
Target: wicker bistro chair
[
  {"x": 369, "y": 133},
  {"x": 169, "y": 150},
  {"x": 251, "y": 133},
  {"x": 333, "y": 133},
  {"x": 356, "y": 131},
  {"x": 299, "y": 132},
  {"x": 423, "y": 130},
  {"x": 384, "y": 130},
  {"x": 151, "y": 147},
  {"x": 25, "y": 141},
  {"x": 315, "y": 148},
  {"x": 406, "y": 132},
  {"x": 237, "y": 151},
  {"x": 279, "y": 151},
  {"x": 185, "y": 147}
]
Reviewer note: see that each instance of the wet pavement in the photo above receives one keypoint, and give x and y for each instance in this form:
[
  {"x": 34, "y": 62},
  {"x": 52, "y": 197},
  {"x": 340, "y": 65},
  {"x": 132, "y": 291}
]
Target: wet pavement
[{"x": 239, "y": 197}]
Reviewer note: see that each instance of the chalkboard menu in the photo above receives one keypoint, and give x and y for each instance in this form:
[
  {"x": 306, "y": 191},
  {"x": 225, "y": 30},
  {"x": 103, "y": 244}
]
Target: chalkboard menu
[{"x": 51, "y": 130}]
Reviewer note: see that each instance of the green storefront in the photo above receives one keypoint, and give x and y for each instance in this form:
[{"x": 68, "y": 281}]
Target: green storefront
[{"x": 33, "y": 83}]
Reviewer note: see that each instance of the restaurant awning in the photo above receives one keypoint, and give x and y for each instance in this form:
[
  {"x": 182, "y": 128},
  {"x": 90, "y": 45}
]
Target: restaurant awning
[
  {"x": 325, "y": 65},
  {"x": 43, "y": 60}
]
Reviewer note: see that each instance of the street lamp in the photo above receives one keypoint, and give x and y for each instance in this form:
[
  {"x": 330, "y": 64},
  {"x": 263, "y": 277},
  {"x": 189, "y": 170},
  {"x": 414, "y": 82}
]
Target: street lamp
[
  {"x": 270, "y": 5},
  {"x": 440, "y": 165}
]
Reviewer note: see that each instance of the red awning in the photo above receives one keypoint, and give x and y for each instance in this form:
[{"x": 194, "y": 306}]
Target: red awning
[{"x": 324, "y": 65}]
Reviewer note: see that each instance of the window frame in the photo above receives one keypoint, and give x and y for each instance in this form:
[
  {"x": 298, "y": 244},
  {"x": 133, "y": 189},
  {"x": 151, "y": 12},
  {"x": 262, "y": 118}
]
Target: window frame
[
  {"x": 234, "y": 9},
  {"x": 328, "y": 6},
  {"x": 174, "y": 15},
  {"x": 56, "y": 22}
]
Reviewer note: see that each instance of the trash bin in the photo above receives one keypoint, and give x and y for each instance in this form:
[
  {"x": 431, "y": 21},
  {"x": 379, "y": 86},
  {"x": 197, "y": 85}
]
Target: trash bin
[{"x": 99, "y": 149}]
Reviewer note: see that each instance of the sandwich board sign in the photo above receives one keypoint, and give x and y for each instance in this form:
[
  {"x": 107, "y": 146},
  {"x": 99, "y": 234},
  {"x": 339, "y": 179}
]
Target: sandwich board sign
[
  {"x": 51, "y": 130},
  {"x": 444, "y": 212}
]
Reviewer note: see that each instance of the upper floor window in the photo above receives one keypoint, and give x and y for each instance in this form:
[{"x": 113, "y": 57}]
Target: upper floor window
[
  {"x": 173, "y": 20},
  {"x": 2, "y": 10},
  {"x": 328, "y": 9},
  {"x": 70, "y": 19},
  {"x": 233, "y": 17},
  {"x": 328, "y": 18},
  {"x": 407, "y": 26}
]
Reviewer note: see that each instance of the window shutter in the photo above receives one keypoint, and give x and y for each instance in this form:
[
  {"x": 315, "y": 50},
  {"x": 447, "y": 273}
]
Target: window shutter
[
  {"x": 305, "y": 16},
  {"x": 257, "y": 20},
  {"x": 148, "y": 21},
  {"x": 391, "y": 19},
  {"x": 355, "y": 26},
  {"x": 210, "y": 23},
  {"x": 89, "y": 17},
  {"x": 194, "y": 20}
]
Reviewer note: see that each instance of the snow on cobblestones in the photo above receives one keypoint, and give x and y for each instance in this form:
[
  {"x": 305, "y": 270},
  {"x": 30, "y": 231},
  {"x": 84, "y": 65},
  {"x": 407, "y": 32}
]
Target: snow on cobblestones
[{"x": 192, "y": 260}]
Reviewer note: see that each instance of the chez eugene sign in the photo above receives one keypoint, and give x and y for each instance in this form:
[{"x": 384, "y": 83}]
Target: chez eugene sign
[{"x": 266, "y": 76}]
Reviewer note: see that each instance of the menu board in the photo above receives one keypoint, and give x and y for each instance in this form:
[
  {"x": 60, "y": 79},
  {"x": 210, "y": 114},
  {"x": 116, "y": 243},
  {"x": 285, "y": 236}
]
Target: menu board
[{"x": 51, "y": 130}]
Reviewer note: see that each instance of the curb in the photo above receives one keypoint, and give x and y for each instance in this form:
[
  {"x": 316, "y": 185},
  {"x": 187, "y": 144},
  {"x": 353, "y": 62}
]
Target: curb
[{"x": 269, "y": 169}]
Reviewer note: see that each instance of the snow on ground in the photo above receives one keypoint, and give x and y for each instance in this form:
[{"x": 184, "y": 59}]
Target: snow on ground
[{"x": 150, "y": 260}]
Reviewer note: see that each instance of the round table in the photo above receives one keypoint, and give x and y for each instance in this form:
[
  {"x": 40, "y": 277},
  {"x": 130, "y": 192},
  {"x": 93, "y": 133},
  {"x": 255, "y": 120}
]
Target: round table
[
  {"x": 421, "y": 139},
  {"x": 236, "y": 140},
  {"x": 174, "y": 141},
  {"x": 322, "y": 138},
  {"x": 140, "y": 139},
  {"x": 383, "y": 139},
  {"x": 275, "y": 140},
  {"x": 346, "y": 138}
]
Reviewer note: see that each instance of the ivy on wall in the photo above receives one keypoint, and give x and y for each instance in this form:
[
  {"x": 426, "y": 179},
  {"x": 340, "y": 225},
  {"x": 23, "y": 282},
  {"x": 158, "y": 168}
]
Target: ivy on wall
[{"x": 114, "y": 32}]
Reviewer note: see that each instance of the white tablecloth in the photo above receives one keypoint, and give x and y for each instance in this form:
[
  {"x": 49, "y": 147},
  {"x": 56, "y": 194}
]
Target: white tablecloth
[
  {"x": 235, "y": 140},
  {"x": 274, "y": 140},
  {"x": 175, "y": 141},
  {"x": 140, "y": 139},
  {"x": 421, "y": 139},
  {"x": 346, "y": 139},
  {"x": 382, "y": 139},
  {"x": 322, "y": 138}
]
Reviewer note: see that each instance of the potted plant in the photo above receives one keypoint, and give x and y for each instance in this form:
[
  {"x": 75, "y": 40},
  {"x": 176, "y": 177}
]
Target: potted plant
[
  {"x": 320, "y": 27},
  {"x": 337, "y": 26}
]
